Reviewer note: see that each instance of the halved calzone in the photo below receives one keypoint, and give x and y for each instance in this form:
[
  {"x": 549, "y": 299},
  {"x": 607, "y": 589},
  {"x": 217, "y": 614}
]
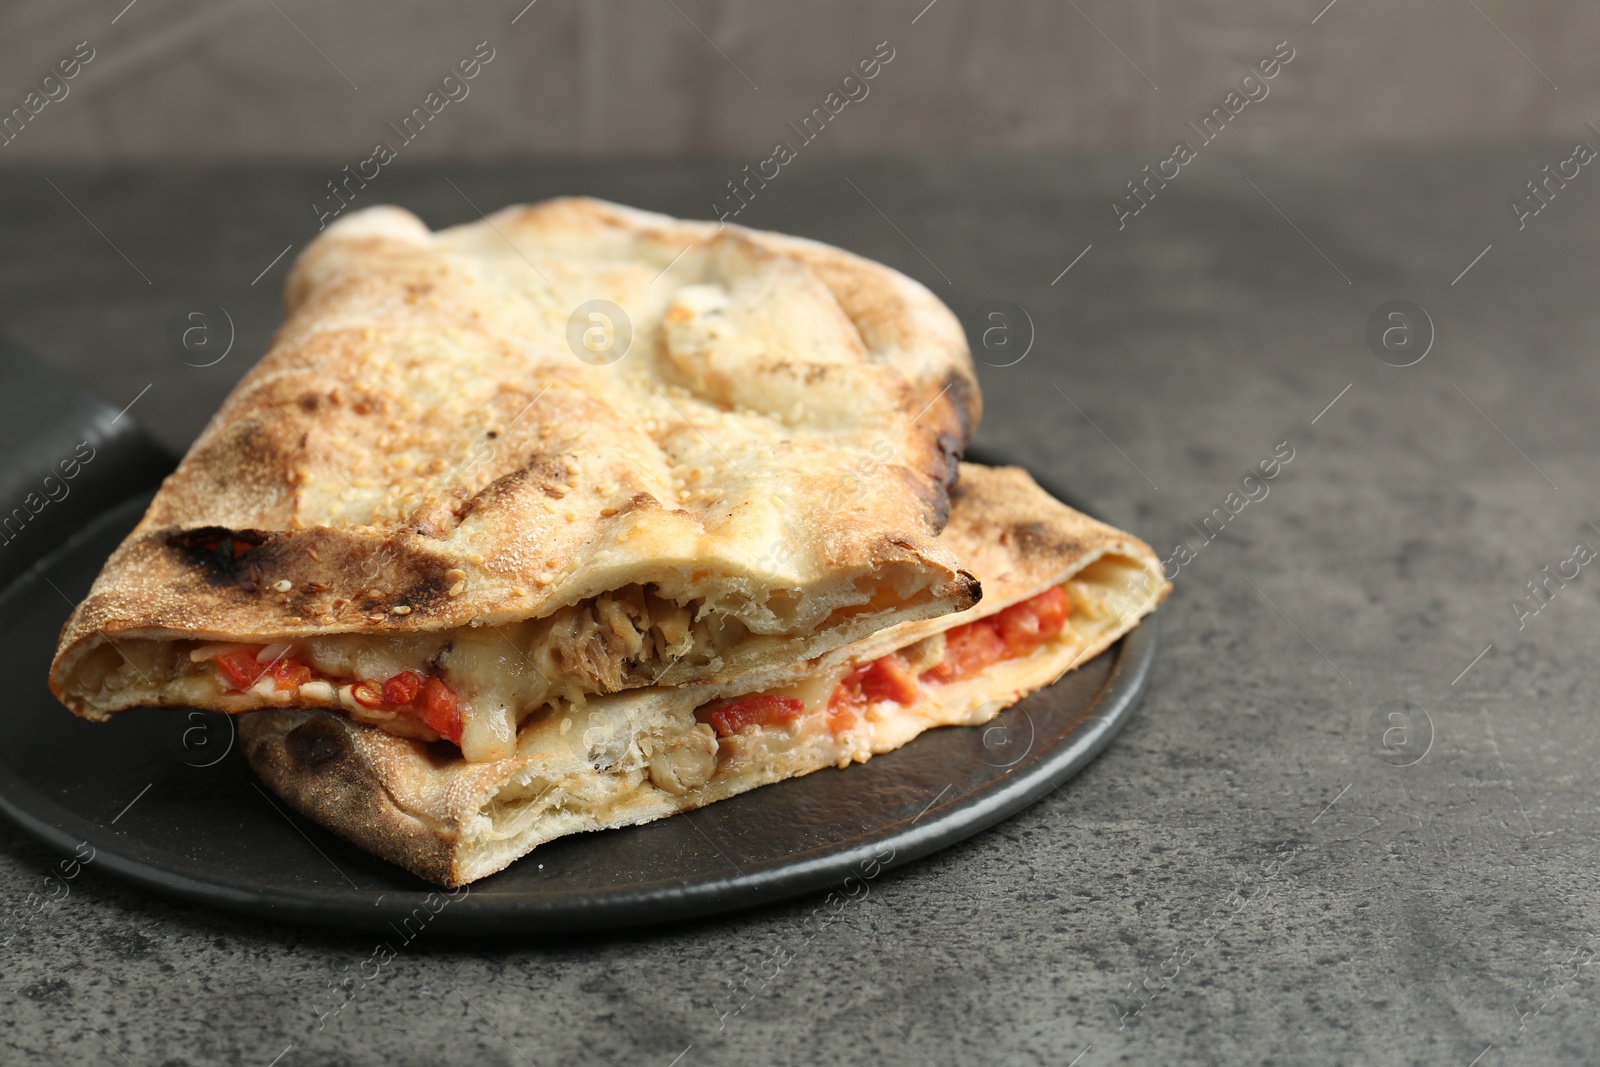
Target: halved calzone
[
  {"x": 429, "y": 508},
  {"x": 1059, "y": 588}
]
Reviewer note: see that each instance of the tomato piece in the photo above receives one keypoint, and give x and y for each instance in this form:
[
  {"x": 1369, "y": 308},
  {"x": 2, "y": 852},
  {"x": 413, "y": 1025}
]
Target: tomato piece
[
  {"x": 290, "y": 673},
  {"x": 1016, "y": 631},
  {"x": 240, "y": 669},
  {"x": 763, "y": 709},
  {"x": 402, "y": 689},
  {"x": 1054, "y": 608},
  {"x": 441, "y": 711},
  {"x": 1025, "y": 626},
  {"x": 849, "y": 686},
  {"x": 887, "y": 678},
  {"x": 846, "y": 701},
  {"x": 842, "y": 717},
  {"x": 367, "y": 694},
  {"x": 968, "y": 649}
]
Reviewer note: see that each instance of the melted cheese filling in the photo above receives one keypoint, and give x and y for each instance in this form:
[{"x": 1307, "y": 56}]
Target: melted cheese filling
[
  {"x": 503, "y": 675},
  {"x": 1104, "y": 596},
  {"x": 500, "y": 674}
]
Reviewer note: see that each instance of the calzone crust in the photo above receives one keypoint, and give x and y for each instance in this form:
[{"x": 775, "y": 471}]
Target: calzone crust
[
  {"x": 422, "y": 481},
  {"x": 634, "y": 757}
]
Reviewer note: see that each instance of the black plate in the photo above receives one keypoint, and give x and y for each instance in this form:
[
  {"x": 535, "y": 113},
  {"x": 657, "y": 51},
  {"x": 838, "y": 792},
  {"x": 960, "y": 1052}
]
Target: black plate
[{"x": 165, "y": 800}]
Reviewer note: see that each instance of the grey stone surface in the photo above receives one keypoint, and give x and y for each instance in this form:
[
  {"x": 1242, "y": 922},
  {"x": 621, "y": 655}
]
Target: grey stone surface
[
  {"x": 245, "y": 80},
  {"x": 1240, "y": 878}
]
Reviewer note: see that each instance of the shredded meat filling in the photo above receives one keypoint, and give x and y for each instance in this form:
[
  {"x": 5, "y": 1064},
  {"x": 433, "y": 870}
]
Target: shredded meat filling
[{"x": 619, "y": 639}]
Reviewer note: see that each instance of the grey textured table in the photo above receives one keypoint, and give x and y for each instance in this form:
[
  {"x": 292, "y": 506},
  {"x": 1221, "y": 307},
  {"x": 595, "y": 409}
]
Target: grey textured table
[{"x": 1246, "y": 876}]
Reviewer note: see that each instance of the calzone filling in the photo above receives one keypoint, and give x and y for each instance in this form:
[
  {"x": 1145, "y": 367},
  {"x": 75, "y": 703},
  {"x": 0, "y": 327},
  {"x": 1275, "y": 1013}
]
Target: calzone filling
[
  {"x": 475, "y": 686},
  {"x": 472, "y": 686},
  {"x": 831, "y": 705}
]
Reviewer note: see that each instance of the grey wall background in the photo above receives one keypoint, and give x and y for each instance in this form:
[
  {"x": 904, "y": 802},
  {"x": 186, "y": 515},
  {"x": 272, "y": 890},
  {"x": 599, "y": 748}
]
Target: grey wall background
[{"x": 251, "y": 79}]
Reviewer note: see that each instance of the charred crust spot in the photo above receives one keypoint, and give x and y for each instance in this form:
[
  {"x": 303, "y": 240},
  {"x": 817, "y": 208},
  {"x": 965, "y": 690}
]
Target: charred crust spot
[
  {"x": 428, "y": 589},
  {"x": 548, "y": 472},
  {"x": 234, "y": 543},
  {"x": 221, "y": 552},
  {"x": 501, "y": 487},
  {"x": 963, "y": 394},
  {"x": 1036, "y": 537},
  {"x": 251, "y": 565},
  {"x": 940, "y": 466},
  {"x": 310, "y": 403},
  {"x": 258, "y": 452},
  {"x": 316, "y": 743},
  {"x": 949, "y": 459},
  {"x": 951, "y": 448},
  {"x": 1024, "y": 534}
]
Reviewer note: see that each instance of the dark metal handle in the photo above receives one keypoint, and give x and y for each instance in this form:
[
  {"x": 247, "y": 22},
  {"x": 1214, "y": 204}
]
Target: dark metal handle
[{"x": 65, "y": 457}]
